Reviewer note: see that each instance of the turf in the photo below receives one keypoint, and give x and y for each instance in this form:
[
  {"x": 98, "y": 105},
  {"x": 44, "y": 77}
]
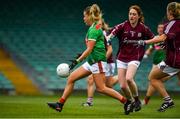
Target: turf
[{"x": 104, "y": 107}]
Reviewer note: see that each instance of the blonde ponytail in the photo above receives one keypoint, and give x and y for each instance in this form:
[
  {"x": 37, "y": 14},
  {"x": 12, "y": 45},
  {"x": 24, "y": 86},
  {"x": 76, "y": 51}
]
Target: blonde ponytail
[
  {"x": 95, "y": 13},
  {"x": 105, "y": 26}
]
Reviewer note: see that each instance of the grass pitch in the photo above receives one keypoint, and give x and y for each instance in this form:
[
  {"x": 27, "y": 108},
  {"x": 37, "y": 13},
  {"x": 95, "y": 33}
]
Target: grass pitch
[{"x": 104, "y": 107}]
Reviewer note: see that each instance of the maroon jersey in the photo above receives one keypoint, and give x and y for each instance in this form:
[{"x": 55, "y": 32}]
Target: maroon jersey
[
  {"x": 110, "y": 59},
  {"x": 124, "y": 31},
  {"x": 172, "y": 31}
]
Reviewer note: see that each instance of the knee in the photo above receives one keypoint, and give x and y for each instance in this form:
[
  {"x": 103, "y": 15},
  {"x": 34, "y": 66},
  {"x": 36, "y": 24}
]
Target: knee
[
  {"x": 151, "y": 78},
  {"x": 109, "y": 85},
  {"x": 153, "y": 82},
  {"x": 100, "y": 89},
  {"x": 70, "y": 80},
  {"x": 90, "y": 80}
]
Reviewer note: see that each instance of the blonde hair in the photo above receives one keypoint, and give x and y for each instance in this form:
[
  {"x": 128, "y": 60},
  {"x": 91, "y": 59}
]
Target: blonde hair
[
  {"x": 105, "y": 26},
  {"x": 174, "y": 9},
  {"x": 93, "y": 12},
  {"x": 139, "y": 11}
]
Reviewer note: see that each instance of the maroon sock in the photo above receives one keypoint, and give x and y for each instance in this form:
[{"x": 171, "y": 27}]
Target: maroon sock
[
  {"x": 123, "y": 100},
  {"x": 62, "y": 101}
]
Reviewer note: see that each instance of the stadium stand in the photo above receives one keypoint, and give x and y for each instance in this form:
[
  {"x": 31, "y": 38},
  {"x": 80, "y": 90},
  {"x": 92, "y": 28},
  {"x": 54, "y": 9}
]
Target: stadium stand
[
  {"x": 13, "y": 73},
  {"x": 40, "y": 35},
  {"x": 6, "y": 87}
]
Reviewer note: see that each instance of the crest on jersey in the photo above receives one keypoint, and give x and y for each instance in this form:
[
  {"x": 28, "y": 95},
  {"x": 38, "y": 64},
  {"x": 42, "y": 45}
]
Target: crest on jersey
[
  {"x": 98, "y": 26},
  {"x": 139, "y": 34}
]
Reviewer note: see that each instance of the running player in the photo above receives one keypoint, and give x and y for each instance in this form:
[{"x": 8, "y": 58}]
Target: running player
[
  {"x": 95, "y": 65},
  {"x": 171, "y": 65},
  {"x": 110, "y": 80},
  {"x": 130, "y": 55},
  {"x": 159, "y": 56}
]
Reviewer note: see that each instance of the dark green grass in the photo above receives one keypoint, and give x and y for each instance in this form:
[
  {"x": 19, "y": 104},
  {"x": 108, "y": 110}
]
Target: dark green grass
[{"x": 104, "y": 107}]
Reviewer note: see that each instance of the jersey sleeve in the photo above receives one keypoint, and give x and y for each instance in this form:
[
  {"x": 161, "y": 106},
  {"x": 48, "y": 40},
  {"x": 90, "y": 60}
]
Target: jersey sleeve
[
  {"x": 148, "y": 33},
  {"x": 117, "y": 29},
  {"x": 170, "y": 35},
  {"x": 93, "y": 34}
]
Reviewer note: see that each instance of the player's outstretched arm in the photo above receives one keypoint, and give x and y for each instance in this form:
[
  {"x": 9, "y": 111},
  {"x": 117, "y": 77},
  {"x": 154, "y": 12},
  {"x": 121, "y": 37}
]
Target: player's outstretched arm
[{"x": 156, "y": 39}]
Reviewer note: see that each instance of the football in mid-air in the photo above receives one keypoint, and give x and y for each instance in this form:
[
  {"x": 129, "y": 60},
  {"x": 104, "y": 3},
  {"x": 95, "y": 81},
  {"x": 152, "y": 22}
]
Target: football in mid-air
[{"x": 63, "y": 70}]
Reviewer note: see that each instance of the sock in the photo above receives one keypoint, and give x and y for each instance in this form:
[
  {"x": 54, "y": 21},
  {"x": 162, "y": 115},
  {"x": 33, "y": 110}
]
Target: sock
[
  {"x": 146, "y": 99},
  {"x": 62, "y": 101},
  {"x": 136, "y": 98},
  {"x": 123, "y": 100},
  {"x": 90, "y": 100},
  {"x": 167, "y": 99}
]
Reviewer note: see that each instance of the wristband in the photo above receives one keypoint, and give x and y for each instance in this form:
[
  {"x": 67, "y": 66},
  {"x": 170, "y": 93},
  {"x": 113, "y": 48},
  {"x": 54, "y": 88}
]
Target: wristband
[{"x": 78, "y": 61}]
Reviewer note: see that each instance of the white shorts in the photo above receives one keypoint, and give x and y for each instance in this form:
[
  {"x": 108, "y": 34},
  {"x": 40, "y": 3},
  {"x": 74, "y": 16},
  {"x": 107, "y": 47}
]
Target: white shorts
[
  {"x": 111, "y": 69},
  {"x": 96, "y": 68},
  {"x": 167, "y": 69},
  {"x": 124, "y": 65}
]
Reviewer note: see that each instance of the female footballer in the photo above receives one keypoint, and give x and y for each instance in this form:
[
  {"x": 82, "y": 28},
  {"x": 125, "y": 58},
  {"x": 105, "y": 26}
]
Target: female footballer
[
  {"x": 96, "y": 62},
  {"x": 110, "y": 78},
  {"x": 171, "y": 65},
  {"x": 130, "y": 55}
]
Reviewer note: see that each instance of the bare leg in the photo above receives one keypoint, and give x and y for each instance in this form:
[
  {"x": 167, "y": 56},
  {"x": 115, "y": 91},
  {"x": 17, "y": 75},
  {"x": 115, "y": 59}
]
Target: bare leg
[
  {"x": 123, "y": 83},
  {"x": 131, "y": 71},
  {"x": 90, "y": 86},
  {"x": 156, "y": 76},
  {"x": 111, "y": 81},
  {"x": 151, "y": 89},
  {"x": 74, "y": 76},
  {"x": 149, "y": 93},
  {"x": 90, "y": 91},
  {"x": 102, "y": 88}
]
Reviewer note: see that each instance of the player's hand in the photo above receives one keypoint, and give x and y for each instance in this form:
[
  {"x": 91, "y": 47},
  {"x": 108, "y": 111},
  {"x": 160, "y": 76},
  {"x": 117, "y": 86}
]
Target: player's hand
[
  {"x": 141, "y": 42},
  {"x": 73, "y": 64},
  {"x": 145, "y": 56},
  {"x": 109, "y": 37},
  {"x": 109, "y": 42}
]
